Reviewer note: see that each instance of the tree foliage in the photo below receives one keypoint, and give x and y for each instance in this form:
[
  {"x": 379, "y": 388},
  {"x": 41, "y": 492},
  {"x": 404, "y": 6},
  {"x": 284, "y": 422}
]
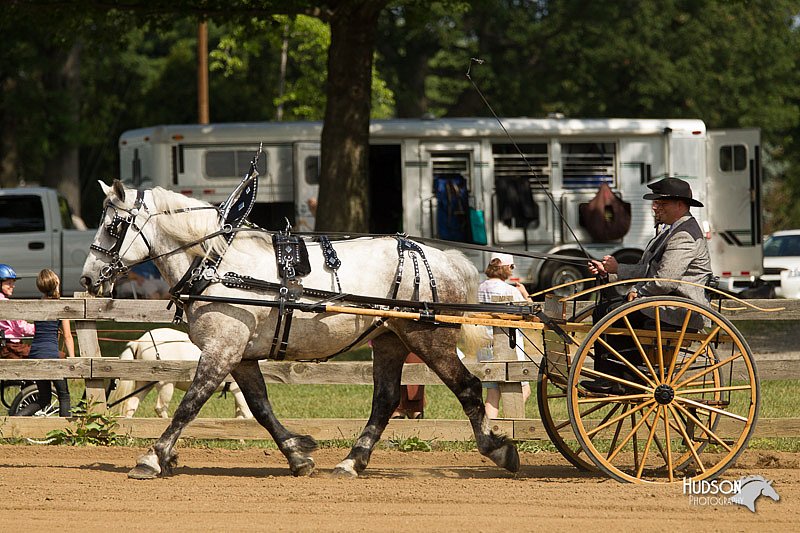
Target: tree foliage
[{"x": 731, "y": 63}]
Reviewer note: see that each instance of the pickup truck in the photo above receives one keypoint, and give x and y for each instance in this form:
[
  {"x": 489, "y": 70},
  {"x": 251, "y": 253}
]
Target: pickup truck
[{"x": 37, "y": 231}]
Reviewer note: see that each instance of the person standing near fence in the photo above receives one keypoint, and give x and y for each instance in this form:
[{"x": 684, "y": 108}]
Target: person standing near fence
[
  {"x": 45, "y": 346},
  {"x": 496, "y": 289},
  {"x": 12, "y": 330}
]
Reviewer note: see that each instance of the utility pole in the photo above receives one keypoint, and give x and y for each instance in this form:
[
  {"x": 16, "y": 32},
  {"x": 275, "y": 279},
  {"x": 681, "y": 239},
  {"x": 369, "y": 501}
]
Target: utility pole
[{"x": 202, "y": 73}]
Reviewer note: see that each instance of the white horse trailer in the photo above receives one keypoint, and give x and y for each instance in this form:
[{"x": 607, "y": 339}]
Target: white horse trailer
[{"x": 570, "y": 158}]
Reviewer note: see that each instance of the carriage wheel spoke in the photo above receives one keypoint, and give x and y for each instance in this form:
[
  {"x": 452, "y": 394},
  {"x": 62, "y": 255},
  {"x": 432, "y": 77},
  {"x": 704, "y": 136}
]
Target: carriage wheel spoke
[
  {"x": 668, "y": 444},
  {"x": 702, "y": 426},
  {"x": 620, "y": 417},
  {"x": 661, "y": 450},
  {"x": 646, "y": 450},
  {"x": 707, "y": 370},
  {"x": 712, "y": 389},
  {"x": 679, "y": 343},
  {"x": 616, "y": 399},
  {"x": 625, "y": 361},
  {"x": 615, "y": 379},
  {"x": 635, "y": 338},
  {"x": 632, "y": 433},
  {"x": 616, "y": 431},
  {"x": 705, "y": 407},
  {"x": 588, "y": 412},
  {"x": 689, "y": 442},
  {"x": 696, "y": 354},
  {"x": 659, "y": 345}
]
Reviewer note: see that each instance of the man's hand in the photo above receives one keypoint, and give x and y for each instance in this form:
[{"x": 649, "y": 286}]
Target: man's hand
[
  {"x": 607, "y": 266},
  {"x": 597, "y": 268}
]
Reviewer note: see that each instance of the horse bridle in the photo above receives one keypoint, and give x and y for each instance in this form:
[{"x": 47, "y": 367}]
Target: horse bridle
[{"x": 118, "y": 229}]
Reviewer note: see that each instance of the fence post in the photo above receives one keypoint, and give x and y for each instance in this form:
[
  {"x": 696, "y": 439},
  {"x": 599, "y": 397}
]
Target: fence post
[
  {"x": 86, "y": 331},
  {"x": 510, "y": 392}
]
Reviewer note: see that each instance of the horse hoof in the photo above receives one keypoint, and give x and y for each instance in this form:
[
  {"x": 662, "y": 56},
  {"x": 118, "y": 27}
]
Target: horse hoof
[
  {"x": 345, "y": 469},
  {"x": 143, "y": 472},
  {"x": 506, "y": 457},
  {"x": 344, "y": 473},
  {"x": 304, "y": 468}
]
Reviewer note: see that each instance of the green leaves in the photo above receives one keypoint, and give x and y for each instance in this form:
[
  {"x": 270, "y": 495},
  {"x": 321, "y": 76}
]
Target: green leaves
[{"x": 91, "y": 428}]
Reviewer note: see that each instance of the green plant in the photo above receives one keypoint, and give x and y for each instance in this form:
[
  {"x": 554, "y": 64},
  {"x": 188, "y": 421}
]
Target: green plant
[
  {"x": 92, "y": 428},
  {"x": 410, "y": 444}
]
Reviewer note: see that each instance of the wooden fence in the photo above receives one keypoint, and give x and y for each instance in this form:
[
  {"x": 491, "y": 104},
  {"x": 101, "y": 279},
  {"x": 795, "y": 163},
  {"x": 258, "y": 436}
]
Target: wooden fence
[{"x": 95, "y": 370}]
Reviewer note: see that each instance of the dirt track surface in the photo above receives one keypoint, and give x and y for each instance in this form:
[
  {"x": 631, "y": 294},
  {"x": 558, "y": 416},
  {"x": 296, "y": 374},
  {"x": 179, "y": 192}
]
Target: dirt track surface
[{"x": 48, "y": 488}]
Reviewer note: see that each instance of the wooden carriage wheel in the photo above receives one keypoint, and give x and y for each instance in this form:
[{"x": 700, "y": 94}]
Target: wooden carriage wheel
[
  {"x": 677, "y": 403},
  {"x": 551, "y": 396}
]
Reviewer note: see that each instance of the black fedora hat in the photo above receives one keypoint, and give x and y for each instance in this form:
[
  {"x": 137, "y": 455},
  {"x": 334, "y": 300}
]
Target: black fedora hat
[{"x": 671, "y": 189}]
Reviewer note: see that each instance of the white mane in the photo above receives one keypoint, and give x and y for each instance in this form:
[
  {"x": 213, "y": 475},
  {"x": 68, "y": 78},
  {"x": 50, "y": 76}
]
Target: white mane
[{"x": 195, "y": 225}]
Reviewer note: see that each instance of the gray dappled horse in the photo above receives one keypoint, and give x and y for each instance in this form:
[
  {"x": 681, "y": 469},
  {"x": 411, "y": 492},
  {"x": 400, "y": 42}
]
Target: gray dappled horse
[{"x": 234, "y": 337}]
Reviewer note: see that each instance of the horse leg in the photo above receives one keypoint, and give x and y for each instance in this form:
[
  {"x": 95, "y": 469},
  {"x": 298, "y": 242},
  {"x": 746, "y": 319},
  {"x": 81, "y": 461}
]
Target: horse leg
[
  {"x": 387, "y": 367},
  {"x": 242, "y": 410},
  {"x": 130, "y": 405},
  {"x": 437, "y": 348},
  {"x": 164, "y": 392},
  {"x": 161, "y": 459},
  {"x": 295, "y": 447}
]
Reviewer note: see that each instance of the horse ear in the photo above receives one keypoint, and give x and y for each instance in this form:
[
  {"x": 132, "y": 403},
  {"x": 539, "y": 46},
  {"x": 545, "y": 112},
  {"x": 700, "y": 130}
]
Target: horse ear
[
  {"x": 119, "y": 189},
  {"x": 105, "y": 187}
]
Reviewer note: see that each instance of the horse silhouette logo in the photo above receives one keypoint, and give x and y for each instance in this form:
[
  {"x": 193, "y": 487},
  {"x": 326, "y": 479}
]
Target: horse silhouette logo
[{"x": 751, "y": 487}]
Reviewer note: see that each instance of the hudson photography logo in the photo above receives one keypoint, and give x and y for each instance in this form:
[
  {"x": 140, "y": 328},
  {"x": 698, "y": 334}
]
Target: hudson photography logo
[{"x": 721, "y": 492}]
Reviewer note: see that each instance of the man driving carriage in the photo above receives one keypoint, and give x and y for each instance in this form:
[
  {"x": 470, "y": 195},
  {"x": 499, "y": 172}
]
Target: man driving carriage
[{"x": 678, "y": 252}]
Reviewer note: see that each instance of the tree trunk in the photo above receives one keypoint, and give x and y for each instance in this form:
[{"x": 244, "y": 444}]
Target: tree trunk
[
  {"x": 62, "y": 171},
  {"x": 343, "y": 203},
  {"x": 9, "y": 152}
]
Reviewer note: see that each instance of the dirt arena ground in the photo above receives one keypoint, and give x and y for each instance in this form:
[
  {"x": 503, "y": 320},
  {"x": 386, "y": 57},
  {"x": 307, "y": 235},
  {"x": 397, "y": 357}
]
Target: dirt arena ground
[{"x": 48, "y": 488}]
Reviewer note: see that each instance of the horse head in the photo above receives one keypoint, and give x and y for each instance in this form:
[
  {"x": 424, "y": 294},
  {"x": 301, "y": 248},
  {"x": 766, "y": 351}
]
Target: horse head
[{"x": 119, "y": 241}]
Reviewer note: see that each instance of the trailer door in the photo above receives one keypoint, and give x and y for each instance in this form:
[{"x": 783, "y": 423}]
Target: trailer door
[
  {"x": 461, "y": 166},
  {"x": 306, "y": 179},
  {"x": 733, "y": 204}
]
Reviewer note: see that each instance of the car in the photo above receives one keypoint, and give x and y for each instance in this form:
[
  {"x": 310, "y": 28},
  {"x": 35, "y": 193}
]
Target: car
[{"x": 782, "y": 262}]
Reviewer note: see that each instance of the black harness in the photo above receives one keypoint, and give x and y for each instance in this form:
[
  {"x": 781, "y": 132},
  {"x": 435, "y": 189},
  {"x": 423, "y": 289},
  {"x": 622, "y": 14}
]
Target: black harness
[{"x": 291, "y": 257}]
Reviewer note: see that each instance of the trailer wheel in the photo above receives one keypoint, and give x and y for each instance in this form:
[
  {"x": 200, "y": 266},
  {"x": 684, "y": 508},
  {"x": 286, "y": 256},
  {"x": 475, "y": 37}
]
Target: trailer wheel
[
  {"x": 554, "y": 273},
  {"x": 29, "y": 395},
  {"x": 686, "y": 401}
]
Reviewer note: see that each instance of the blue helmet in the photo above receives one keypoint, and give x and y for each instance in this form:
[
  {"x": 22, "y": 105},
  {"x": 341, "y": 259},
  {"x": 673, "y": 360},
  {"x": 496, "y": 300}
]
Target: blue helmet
[{"x": 6, "y": 272}]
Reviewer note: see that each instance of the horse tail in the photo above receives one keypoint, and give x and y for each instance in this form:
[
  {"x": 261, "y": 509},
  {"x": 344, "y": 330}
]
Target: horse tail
[
  {"x": 473, "y": 337},
  {"x": 124, "y": 386}
]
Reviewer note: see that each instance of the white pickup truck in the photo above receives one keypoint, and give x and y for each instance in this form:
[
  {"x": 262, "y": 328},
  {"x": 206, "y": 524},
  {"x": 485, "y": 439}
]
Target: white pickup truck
[{"x": 37, "y": 231}]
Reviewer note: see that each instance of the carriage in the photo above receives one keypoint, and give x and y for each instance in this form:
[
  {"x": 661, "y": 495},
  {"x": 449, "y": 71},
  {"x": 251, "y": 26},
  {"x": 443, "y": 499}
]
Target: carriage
[{"x": 683, "y": 396}]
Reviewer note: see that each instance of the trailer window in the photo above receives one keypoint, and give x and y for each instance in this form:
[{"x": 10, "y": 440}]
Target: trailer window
[
  {"x": 588, "y": 165},
  {"x": 732, "y": 158},
  {"x": 232, "y": 163},
  {"x": 311, "y": 164},
  {"x": 21, "y": 214},
  {"x": 509, "y": 163}
]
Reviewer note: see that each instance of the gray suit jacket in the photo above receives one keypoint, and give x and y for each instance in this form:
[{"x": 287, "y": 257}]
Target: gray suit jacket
[{"x": 679, "y": 254}]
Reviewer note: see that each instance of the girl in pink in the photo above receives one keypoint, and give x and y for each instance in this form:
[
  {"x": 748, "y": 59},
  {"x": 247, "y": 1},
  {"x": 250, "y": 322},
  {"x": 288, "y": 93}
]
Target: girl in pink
[{"x": 12, "y": 331}]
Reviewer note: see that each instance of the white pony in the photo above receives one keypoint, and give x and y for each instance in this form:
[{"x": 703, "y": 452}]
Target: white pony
[
  {"x": 239, "y": 327},
  {"x": 169, "y": 345}
]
